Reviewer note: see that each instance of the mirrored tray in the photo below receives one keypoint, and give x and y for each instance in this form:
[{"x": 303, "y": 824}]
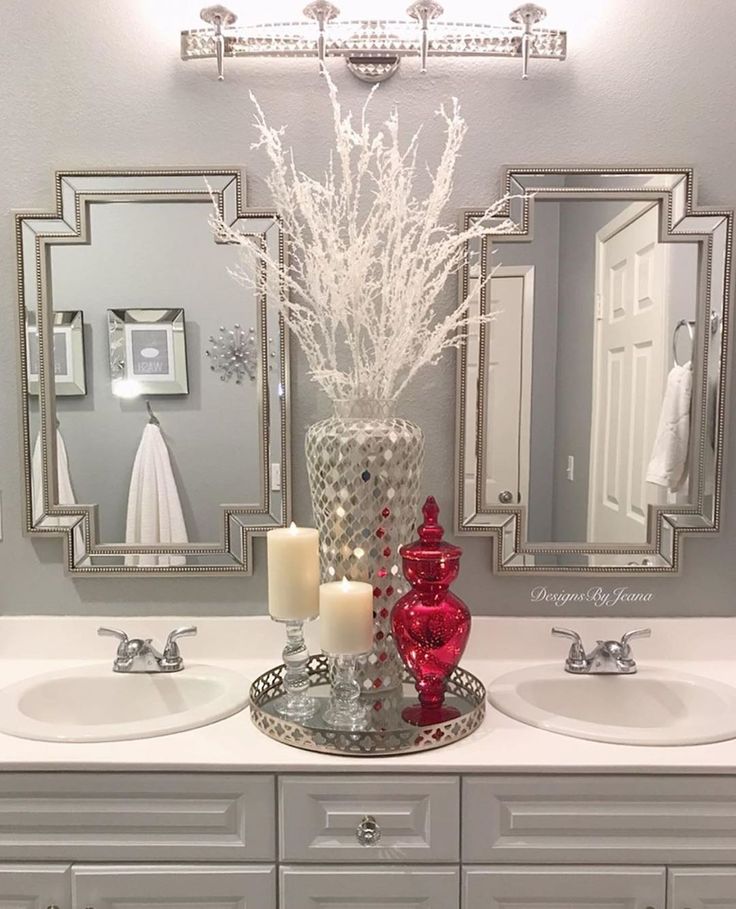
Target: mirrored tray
[{"x": 387, "y": 734}]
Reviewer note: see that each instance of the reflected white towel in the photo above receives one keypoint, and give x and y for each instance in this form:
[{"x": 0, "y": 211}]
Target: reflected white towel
[
  {"x": 154, "y": 509},
  {"x": 63, "y": 480},
  {"x": 668, "y": 465}
]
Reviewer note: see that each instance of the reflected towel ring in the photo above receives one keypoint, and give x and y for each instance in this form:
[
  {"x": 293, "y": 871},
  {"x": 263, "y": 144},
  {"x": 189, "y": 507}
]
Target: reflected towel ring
[
  {"x": 683, "y": 323},
  {"x": 715, "y": 324}
]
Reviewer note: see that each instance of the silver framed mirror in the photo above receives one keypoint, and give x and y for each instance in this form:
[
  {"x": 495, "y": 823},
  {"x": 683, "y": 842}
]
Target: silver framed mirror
[
  {"x": 591, "y": 406},
  {"x": 204, "y": 462}
]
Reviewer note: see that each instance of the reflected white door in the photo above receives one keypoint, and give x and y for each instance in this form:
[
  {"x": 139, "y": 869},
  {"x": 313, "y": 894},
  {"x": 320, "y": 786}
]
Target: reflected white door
[
  {"x": 503, "y": 457},
  {"x": 629, "y": 373}
]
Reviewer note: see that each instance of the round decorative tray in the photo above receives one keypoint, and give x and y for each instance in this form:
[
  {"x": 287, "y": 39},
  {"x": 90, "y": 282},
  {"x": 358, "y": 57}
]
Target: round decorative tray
[{"x": 387, "y": 733}]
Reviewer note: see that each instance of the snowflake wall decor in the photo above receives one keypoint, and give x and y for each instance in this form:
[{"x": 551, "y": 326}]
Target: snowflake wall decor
[{"x": 234, "y": 354}]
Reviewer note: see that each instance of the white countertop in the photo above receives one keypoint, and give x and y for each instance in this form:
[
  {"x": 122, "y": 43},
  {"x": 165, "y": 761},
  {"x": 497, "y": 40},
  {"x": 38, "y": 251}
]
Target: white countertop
[{"x": 30, "y": 646}]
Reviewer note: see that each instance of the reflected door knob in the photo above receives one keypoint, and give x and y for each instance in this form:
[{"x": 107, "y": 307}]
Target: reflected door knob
[
  {"x": 368, "y": 831},
  {"x": 506, "y": 497}
]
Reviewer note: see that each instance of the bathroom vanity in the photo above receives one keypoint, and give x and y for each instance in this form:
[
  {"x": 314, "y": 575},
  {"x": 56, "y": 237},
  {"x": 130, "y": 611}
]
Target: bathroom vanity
[
  {"x": 237, "y": 839},
  {"x": 224, "y": 816}
]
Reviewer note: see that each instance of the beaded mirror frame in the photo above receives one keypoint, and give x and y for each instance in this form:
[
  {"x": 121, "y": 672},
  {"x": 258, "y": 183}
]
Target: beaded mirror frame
[
  {"x": 712, "y": 229},
  {"x": 35, "y": 233}
]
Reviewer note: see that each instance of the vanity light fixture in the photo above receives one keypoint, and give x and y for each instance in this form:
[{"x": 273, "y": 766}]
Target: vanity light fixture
[{"x": 372, "y": 48}]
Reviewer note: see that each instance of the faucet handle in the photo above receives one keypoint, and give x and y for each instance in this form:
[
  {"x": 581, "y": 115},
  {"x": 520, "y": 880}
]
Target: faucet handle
[
  {"x": 576, "y": 658},
  {"x": 171, "y": 658},
  {"x": 187, "y": 631},
  {"x": 638, "y": 633},
  {"x": 577, "y": 641},
  {"x": 114, "y": 633}
]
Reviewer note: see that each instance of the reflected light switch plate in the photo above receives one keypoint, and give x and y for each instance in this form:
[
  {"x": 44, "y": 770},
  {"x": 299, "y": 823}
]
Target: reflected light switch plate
[
  {"x": 570, "y": 468},
  {"x": 276, "y": 477}
]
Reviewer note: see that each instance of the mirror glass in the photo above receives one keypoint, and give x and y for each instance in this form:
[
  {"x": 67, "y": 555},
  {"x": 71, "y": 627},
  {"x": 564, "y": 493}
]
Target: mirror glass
[
  {"x": 591, "y": 398},
  {"x": 172, "y": 453}
]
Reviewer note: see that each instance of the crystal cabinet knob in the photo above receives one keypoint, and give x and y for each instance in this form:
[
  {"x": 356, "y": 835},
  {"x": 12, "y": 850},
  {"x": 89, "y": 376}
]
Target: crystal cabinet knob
[
  {"x": 368, "y": 831},
  {"x": 506, "y": 497}
]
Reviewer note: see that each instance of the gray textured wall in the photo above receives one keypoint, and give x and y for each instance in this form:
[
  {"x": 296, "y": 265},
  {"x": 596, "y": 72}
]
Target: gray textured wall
[{"x": 651, "y": 83}]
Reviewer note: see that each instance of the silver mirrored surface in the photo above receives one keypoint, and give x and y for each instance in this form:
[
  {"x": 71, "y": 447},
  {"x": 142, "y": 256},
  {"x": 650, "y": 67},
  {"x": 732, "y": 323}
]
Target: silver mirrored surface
[
  {"x": 591, "y": 406},
  {"x": 135, "y": 252}
]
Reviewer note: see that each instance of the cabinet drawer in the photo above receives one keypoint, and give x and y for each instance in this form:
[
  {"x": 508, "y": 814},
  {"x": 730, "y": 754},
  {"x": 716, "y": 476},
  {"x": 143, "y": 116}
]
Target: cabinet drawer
[
  {"x": 420, "y": 887},
  {"x": 583, "y": 888},
  {"x": 34, "y": 886},
  {"x": 137, "y": 817},
  {"x": 610, "y": 819},
  {"x": 174, "y": 886},
  {"x": 418, "y": 817},
  {"x": 701, "y": 888}
]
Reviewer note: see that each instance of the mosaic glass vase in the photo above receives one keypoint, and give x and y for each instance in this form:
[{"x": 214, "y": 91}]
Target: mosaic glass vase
[{"x": 364, "y": 471}]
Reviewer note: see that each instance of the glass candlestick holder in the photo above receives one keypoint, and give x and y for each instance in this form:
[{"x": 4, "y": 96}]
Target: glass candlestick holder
[
  {"x": 345, "y": 710},
  {"x": 297, "y": 704}
]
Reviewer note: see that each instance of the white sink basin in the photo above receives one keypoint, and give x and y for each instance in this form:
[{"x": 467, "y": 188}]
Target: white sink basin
[
  {"x": 653, "y": 707},
  {"x": 95, "y": 704}
]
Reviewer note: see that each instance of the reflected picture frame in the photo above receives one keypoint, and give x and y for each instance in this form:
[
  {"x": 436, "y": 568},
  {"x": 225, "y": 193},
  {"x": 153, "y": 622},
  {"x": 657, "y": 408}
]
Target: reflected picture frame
[
  {"x": 148, "y": 352},
  {"x": 70, "y": 374}
]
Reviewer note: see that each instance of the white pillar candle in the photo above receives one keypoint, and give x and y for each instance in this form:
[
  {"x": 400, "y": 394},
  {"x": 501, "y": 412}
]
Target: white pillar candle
[
  {"x": 293, "y": 573},
  {"x": 346, "y": 617}
]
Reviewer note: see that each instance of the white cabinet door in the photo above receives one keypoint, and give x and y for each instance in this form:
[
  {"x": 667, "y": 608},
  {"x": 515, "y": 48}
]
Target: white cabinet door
[
  {"x": 359, "y": 887},
  {"x": 173, "y": 886},
  {"x": 534, "y": 887},
  {"x": 702, "y": 888},
  {"x": 34, "y": 886}
]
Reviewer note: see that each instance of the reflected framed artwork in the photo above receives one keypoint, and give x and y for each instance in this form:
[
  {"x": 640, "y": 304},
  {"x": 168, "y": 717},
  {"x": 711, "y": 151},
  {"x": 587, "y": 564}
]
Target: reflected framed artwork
[
  {"x": 148, "y": 353},
  {"x": 70, "y": 377}
]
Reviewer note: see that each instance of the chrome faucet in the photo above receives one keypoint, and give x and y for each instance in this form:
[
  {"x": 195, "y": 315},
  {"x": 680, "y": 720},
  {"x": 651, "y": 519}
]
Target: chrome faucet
[
  {"x": 606, "y": 658},
  {"x": 139, "y": 655}
]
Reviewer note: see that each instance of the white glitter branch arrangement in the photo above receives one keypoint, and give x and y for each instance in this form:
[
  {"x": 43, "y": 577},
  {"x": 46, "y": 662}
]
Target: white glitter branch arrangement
[{"x": 368, "y": 256}]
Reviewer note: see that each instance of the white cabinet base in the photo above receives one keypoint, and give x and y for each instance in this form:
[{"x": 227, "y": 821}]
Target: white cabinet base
[
  {"x": 34, "y": 886},
  {"x": 174, "y": 886},
  {"x": 530, "y": 887},
  {"x": 401, "y": 887},
  {"x": 702, "y": 888}
]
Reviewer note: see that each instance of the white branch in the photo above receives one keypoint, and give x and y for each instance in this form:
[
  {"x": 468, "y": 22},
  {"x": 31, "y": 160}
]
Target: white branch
[{"x": 369, "y": 256}]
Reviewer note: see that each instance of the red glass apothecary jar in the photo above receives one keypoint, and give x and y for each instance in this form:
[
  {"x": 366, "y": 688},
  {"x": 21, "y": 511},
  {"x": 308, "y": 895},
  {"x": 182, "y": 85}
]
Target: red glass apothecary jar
[{"x": 430, "y": 624}]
